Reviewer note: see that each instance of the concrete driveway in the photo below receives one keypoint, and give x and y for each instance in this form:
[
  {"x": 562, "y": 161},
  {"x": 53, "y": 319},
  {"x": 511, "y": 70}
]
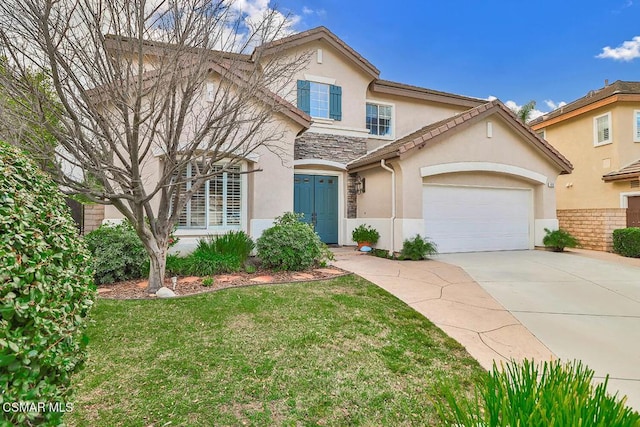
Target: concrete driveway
[{"x": 577, "y": 306}]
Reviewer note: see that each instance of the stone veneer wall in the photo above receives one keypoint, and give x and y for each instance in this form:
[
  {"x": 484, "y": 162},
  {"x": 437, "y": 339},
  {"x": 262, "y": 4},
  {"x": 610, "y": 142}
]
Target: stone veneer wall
[
  {"x": 336, "y": 148},
  {"x": 593, "y": 227},
  {"x": 93, "y": 216}
]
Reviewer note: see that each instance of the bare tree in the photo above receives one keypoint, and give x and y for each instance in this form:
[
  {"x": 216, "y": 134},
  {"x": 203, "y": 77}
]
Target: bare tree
[{"x": 136, "y": 80}]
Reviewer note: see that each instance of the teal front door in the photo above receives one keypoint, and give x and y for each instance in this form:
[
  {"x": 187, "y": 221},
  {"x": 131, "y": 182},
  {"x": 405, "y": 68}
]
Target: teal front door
[{"x": 316, "y": 196}]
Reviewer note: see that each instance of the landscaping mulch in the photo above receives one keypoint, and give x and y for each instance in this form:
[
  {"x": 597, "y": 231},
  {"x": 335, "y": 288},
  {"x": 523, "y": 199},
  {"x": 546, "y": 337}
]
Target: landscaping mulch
[{"x": 137, "y": 289}]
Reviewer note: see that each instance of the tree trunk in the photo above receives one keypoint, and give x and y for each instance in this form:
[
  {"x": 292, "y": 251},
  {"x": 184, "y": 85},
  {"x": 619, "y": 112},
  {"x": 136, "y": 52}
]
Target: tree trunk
[{"x": 157, "y": 265}]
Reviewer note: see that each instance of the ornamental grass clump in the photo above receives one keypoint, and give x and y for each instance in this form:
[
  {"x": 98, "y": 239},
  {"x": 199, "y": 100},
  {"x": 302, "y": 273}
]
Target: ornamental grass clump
[
  {"x": 418, "y": 248},
  {"x": 553, "y": 394},
  {"x": 559, "y": 239},
  {"x": 46, "y": 292}
]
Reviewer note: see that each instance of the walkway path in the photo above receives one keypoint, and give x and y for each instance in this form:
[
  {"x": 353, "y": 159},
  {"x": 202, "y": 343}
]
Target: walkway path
[{"x": 452, "y": 300}]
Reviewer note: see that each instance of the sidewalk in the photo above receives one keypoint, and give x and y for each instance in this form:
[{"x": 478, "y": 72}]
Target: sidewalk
[{"x": 447, "y": 296}]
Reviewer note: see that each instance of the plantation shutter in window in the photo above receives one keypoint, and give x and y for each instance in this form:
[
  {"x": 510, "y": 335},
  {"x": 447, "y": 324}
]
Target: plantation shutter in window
[
  {"x": 304, "y": 96},
  {"x": 335, "y": 102}
]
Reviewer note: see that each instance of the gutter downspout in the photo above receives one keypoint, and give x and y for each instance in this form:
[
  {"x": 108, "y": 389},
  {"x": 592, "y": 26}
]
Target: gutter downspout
[{"x": 384, "y": 166}]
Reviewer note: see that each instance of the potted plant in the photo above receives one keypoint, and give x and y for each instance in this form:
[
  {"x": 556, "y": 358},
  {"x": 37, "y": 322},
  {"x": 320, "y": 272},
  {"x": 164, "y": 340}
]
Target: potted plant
[{"x": 365, "y": 235}]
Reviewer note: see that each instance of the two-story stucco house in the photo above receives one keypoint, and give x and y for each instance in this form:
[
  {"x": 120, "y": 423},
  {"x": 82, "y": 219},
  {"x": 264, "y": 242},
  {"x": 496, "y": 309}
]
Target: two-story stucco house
[
  {"x": 600, "y": 134},
  {"x": 407, "y": 160}
]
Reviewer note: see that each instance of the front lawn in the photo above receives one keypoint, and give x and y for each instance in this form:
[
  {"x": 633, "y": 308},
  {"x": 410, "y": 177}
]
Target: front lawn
[{"x": 339, "y": 352}]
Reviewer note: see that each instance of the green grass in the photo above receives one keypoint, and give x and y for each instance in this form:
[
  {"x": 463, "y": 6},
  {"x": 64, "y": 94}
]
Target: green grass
[{"x": 340, "y": 352}]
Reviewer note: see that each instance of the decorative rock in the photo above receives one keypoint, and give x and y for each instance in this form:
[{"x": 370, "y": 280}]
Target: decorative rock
[
  {"x": 302, "y": 276},
  {"x": 227, "y": 278},
  {"x": 104, "y": 290},
  {"x": 262, "y": 279},
  {"x": 365, "y": 249},
  {"x": 143, "y": 284},
  {"x": 165, "y": 292},
  {"x": 189, "y": 279}
]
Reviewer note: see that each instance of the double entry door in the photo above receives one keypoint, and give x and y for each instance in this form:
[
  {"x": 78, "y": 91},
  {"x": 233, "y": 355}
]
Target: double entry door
[{"x": 316, "y": 196}]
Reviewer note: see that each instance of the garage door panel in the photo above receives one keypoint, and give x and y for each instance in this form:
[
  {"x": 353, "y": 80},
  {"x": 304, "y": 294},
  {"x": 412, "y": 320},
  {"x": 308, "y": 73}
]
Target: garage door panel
[{"x": 469, "y": 219}]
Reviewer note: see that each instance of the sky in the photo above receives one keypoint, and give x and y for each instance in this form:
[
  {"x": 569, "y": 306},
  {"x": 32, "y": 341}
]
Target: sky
[{"x": 552, "y": 52}]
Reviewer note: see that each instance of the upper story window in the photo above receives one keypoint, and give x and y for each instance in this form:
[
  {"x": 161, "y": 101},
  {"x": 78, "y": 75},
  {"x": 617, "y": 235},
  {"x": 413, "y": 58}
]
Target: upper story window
[
  {"x": 602, "y": 129},
  {"x": 379, "y": 119},
  {"x": 218, "y": 203},
  {"x": 320, "y": 100},
  {"x": 636, "y": 126}
]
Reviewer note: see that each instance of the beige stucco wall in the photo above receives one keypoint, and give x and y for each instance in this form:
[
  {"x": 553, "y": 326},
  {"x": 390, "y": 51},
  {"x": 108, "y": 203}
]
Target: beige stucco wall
[
  {"x": 584, "y": 188},
  {"x": 410, "y": 115},
  {"x": 269, "y": 190},
  {"x": 375, "y": 202},
  {"x": 351, "y": 78},
  {"x": 473, "y": 145}
]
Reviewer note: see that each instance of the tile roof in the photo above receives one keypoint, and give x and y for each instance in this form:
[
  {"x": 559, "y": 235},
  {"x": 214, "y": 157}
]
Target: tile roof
[
  {"x": 615, "y": 88},
  {"x": 432, "y": 132},
  {"x": 387, "y": 86},
  {"x": 628, "y": 172},
  {"x": 317, "y": 34}
]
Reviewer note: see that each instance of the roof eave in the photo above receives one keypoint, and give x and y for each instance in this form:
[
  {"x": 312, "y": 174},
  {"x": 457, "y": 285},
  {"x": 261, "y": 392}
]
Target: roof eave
[
  {"x": 621, "y": 177},
  {"x": 389, "y": 88},
  {"x": 320, "y": 33}
]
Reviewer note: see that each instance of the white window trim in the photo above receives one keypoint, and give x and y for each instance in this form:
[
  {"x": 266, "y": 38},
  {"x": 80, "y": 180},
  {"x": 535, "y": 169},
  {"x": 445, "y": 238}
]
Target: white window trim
[
  {"x": 320, "y": 79},
  {"x": 636, "y": 138},
  {"x": 217, "y": 229},
  {"x": 595, "y": 130},
  {"x": 391, "y": 136}
]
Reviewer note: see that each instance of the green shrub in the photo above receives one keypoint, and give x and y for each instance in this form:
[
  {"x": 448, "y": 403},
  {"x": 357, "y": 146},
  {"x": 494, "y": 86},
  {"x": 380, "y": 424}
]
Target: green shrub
[
  {"x": 365, "y": 234},
  {"x": 559, "y": 395},
  {"x": 207, "y": 281},
  {"x": 291, "y": 245},
  {"x": 118, "y": 253},
  {"x": 417, "y": 248},
  {"x": 626, "y": 242},
  {"x": 46, "y": 292},
  {"x": 559, "y": 239}
]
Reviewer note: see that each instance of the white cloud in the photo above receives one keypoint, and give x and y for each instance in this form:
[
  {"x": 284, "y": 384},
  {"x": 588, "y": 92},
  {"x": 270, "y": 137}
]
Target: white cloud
[
  {"x": 319, "y": 12},
  {"x": 627, "y": 51},
  {"x": 553, "y": 105}
]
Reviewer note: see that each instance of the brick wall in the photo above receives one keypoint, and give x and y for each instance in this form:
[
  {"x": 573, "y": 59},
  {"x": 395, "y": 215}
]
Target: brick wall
[
  {"x": 593, "y": 227},
  {"x": 93, "y": 216}
]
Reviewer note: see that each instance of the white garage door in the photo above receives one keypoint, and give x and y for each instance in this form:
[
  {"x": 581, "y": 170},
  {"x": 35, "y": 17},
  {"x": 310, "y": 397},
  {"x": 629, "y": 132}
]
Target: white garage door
[{"x": 475, "y": 219}]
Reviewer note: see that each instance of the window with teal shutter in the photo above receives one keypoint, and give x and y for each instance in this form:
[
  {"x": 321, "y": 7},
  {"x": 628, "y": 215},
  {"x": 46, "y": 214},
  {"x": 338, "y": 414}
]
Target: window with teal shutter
[
  {"x": 304, "y": 96},
  {"x": 335, "y": 103},
  {"x": 320, "y": 100}
]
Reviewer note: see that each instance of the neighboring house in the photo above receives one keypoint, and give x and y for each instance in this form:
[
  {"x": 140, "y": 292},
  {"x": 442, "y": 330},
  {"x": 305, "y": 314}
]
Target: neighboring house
[
  {"x": 600, "y": 134},
  {"x": 408, "y": 160}
]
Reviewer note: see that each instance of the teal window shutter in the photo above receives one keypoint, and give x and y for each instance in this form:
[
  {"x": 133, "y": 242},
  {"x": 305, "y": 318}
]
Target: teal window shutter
[
  {"x": 304, "y": 96},
  {"x": 335, "y": 102}
]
